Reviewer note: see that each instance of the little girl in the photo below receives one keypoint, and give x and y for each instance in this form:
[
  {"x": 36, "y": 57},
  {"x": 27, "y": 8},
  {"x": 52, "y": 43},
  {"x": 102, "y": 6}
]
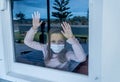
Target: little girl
[{"x": 59, "y": 56}]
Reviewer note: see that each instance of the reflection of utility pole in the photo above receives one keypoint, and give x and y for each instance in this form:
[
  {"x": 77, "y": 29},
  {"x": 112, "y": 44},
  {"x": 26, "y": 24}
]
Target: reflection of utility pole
[{"x": 42, "y": 36}]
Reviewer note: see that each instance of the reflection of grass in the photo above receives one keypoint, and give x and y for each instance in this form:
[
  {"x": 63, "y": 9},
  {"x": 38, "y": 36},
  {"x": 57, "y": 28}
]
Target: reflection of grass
[
  {"x": 36, "y": 38},
  {"x": 85, "y": 36},
  {"x": 16, "y": 35}
]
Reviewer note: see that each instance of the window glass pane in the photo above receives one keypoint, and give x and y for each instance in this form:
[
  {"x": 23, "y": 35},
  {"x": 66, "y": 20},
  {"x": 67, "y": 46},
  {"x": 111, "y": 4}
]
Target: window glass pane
[
  {"x": 64, "y": 50},
  {"x": 76, "y": 13},
  {"x": 22, "y": 11}
]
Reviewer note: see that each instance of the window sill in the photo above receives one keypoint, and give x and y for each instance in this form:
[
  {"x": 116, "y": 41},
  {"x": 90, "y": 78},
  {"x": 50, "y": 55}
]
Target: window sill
[{"x": 25, "y": 77}]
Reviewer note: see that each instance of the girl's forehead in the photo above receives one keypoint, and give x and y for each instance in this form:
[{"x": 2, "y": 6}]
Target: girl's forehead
[{"x": 56, "y": 36}]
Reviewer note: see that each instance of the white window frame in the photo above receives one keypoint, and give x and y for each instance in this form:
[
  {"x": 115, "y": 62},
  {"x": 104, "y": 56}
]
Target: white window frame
[{"x": 35, "y": 72}]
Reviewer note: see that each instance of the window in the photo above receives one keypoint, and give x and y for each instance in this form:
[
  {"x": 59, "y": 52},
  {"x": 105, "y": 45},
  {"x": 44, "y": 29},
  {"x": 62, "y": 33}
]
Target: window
[
  {"x": 30, "y": 70},
  {"x": 52, "y": 16},
  {"x": 22, "y": 21}
]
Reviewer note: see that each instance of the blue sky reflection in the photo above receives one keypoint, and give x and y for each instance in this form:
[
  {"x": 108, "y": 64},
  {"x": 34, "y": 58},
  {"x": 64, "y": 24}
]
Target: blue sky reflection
[{"x": 78, "y": 7}]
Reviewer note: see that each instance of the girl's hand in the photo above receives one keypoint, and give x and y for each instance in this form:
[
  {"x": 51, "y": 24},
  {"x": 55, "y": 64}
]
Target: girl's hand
[
  {"x": 67, "y": 32},
  {"x": 36, "y": 20}
]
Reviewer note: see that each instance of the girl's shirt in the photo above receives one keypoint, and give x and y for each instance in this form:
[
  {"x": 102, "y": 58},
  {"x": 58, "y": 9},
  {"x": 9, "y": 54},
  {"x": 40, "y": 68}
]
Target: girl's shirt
[{"x": 77, "y": 54}]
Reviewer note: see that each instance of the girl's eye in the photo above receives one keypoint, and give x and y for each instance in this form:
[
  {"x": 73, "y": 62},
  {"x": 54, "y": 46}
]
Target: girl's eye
[
  {"x": 61, "y": 42},
  {"x": 57, "y": 42}
]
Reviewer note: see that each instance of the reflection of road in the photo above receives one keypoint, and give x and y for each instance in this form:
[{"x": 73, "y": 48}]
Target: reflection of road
[
  {"x": 80, "y": 31},
  {"x": 22, "y": 47}
]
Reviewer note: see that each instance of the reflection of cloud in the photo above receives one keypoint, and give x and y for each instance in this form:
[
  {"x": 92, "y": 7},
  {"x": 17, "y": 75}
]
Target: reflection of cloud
[
  {"x": 29, "y": 10},
  {"x": 77, "y": 7},
  {"x": 28, "y": 7},
  {"x": 32, "y": 3}
]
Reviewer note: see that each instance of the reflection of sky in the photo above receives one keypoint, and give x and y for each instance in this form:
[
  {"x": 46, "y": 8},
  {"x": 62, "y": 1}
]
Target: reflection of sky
[{"x": 77, "y": 7}]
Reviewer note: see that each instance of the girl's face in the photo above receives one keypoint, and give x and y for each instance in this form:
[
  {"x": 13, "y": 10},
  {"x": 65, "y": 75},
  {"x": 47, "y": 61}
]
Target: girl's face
[
  {"x": 57, "y": 42},
  {"x": 57, "y": 38}
]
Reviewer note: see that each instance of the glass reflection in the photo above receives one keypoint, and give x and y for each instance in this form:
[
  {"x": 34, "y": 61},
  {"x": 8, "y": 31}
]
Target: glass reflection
[{"x": 31, "y": 53}]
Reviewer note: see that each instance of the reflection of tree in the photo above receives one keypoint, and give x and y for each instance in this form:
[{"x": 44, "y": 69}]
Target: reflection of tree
[
  {"x": 61, "y": 8},
  {"x": 20, "y": 16},
  {"x": 79, "y": 20}
]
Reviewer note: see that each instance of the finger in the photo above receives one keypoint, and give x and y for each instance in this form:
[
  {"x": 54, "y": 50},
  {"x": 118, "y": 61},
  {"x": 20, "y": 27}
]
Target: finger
[
  {"x": 69, "y": 27},
  {"x": 34, "y": 14},
  {"x": 33, "y": 18},
  {"x": 69, "y": 31},
  {"x": 38, "y": 14},
  {"x": 63, "y": 33},
  {"x": 63, "y": 27}
]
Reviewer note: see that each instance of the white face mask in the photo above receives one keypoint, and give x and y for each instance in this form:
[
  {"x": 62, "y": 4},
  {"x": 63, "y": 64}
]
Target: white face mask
[{"x": 56, "y": 48}]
